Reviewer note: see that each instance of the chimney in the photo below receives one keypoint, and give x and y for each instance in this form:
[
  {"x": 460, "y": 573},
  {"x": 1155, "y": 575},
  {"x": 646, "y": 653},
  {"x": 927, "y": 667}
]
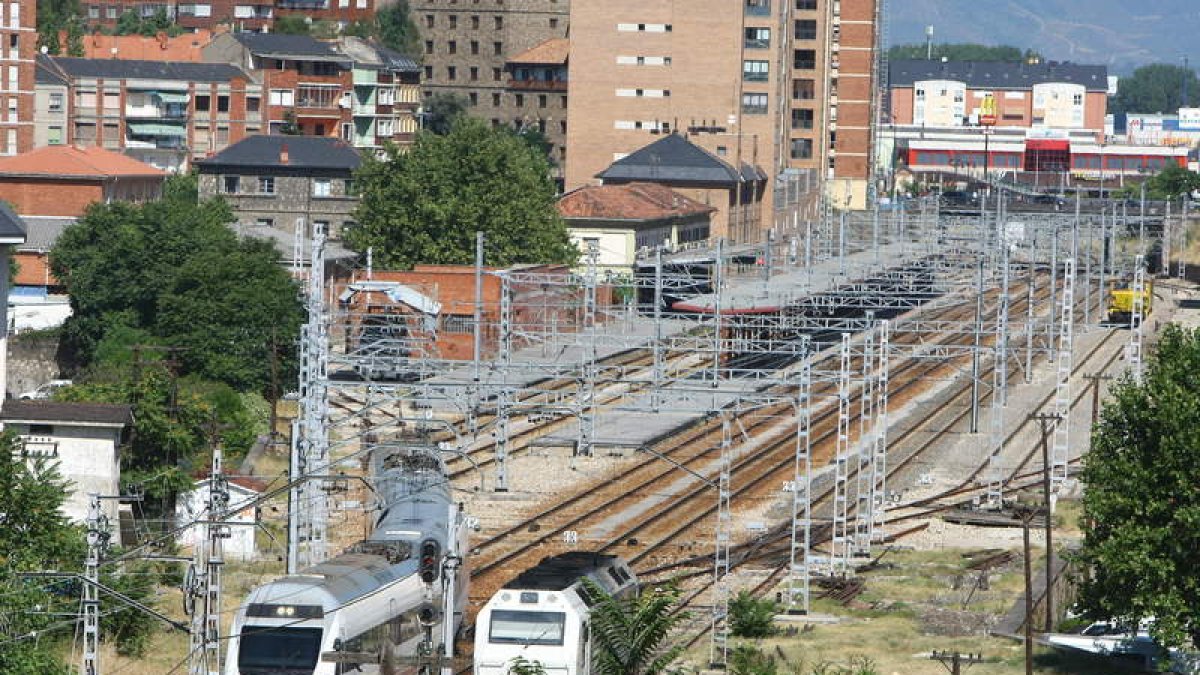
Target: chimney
[{"x": 283, "y": 154}]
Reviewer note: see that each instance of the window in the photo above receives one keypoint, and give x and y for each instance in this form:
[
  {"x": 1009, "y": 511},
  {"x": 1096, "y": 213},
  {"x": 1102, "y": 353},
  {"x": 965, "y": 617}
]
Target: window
[
  {"x": 93, "y": 12},
  {"x": 265, "y": 222},
  {"x": 458, "y": 323},
  {"x": 802, "y": 118},
  {"x": 755, "y": 71},
  {"x": 758, "y": 7},
  {"x": 231, "y": 185},
  {"x": 554, "y": 23},
  {"x": 473, "y": 98},
  {"x": 112, "y": 99},
  {"x": 805, "y": 59},
  {"x": 475, "y": 22},
  {"x": 202, "y": 103},
  {"x": 85, "y": 133},
  {"x": 279, "y": 97},
  {"x": 758, "y": 38},
  {"x": 54, "y": 136},
  {"x": 452, "y": 47},
  {"x": 754, "y": 104},
  {"x": 806, "y": 5},
  {"x": 802, "y": 148},
  {"x": 499, "y": 22},
  {"x": 429, "y": 21},
  {"x": 111, "y": 12},
  {"x": 453, "y": 20},
  {"x": 541, "y": 100},
  {"x": 349, "y": 186},
  {"x": 495, "y": 100},
  {"x": 520, "y": 100},
  {"x": 804, "y": 90},
  {"x": 429, "y": 46},
  {"x": 321, "y": 187},
  {"x": 498, "y": 48},
  {"x": 497, "y": 74},
  {"x": 474, "y": 74},
  {"x": 252, "y": 104},
  {"x": 806, "y": 29},
  {"x": 56, "y": 102},
  {"x": 266, "y": 185},
  {"x": 451, "y": 73},
  {"x": 475, "y": 47},
  {"x": 223, "y": 104},
  {"x": 112, "y": 136}
]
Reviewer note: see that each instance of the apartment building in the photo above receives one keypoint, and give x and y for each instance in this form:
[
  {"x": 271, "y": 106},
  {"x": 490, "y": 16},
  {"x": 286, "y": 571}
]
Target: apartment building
[
  {"x": 18, "y": 47},
  {"x": 537, "y": 84},
  {"x": 780, "y": 85},
  {"x": 242, "y": 15},
  {"x": 161, "y": 113},
  {"x": 469, "y": 48},
  {"x": 357, "y": 91}
]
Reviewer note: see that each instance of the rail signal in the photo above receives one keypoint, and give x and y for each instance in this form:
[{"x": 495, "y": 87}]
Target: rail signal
[{"x": 430, "y": 561}]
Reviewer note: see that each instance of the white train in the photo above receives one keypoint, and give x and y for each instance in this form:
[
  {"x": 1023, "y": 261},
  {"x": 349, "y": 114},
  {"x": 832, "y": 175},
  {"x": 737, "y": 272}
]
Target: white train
[
  {"x": 542, "y": 615},
  {"x": 388, "y": 598}
]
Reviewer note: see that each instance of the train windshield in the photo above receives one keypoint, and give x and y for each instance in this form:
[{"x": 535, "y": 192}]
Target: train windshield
[
  {"x": 278, "y": 650},
  {"x": 516, "y": 627}
]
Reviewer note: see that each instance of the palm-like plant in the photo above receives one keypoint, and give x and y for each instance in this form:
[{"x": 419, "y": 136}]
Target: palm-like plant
[{"x": 629, "y": 634}]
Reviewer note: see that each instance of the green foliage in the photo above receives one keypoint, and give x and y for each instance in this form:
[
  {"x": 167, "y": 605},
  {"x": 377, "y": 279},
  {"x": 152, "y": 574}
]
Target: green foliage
[
  {"x": 1141, "y": 507},
  {"x": 1172, "y": 183},
  {"x": 54, "y": 16},
  {"x": 629, "y": 634},
  {"x": 75, "y": 37},
  {"x": 289, "y": 126},
  {"x": 424, "y": 205},
  {"x": 748, "y": 660},
  {"x": 34, "y": 535},
  {"x": 131, "y": 23},
  {"x": 965, "y": 52},
  {"x": 396, "y": 30},
  {"x": 858, "y": 665},
  {"x": 752, "y": 617},
  {"x": 1156, "y": 88},
  {"x": 442, "y": 111},
  {"x": 523, "y": 666},
  {"x": 292, "y": 24},
  {"x": 172, "y": 272},
  {"x": 538, "y": 141}
]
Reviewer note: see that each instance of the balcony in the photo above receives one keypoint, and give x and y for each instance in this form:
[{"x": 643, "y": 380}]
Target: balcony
[
  {"x": 538, "y": 85},
  {"x": 302, "y": 4}
]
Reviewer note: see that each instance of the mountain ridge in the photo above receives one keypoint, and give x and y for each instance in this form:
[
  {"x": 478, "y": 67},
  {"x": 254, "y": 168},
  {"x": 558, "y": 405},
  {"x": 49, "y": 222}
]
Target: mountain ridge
[{"x": 1120, "y": 35}]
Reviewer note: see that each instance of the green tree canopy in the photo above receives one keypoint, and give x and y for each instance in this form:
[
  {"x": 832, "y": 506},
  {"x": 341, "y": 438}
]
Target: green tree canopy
[
  {"x": 442, "y": 111},
  {"x": 425, "y": 205},
  {"x": 1156, "y": 88},
  {"x": 292, "y": 24},
  {"x": 1141, "y": 506},
  {"x": 965, "y": 52},
  {"x": 174, "y": 270},
  {"x": 396, "y": 29},
  {"x": 1172, "y": 183},
  {"x": 629, "y": 635}
]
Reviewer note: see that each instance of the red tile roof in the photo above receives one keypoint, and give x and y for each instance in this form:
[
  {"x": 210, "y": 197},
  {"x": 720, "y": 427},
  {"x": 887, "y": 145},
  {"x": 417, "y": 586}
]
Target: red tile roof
[
  {"x": 185, "y": 47},
  {"x": 66, "y": 161},
  {"x": 550, "y": 52},
  {"x": 632, "y": 201}
]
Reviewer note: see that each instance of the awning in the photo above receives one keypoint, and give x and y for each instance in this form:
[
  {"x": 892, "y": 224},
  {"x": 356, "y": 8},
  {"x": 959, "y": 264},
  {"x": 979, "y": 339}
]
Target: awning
[
  {"x": 172, "y": 96},
  {"x": 155, "y": 129}
]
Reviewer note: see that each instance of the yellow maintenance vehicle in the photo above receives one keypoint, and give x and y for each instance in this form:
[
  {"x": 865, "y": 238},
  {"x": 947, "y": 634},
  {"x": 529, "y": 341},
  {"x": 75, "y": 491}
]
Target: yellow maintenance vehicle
[{"x": 1121, "y": 300}]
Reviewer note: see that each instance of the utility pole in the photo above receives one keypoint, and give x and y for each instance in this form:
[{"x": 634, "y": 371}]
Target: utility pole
[
  {"x": 205, "y": 573},
  {"x": 955, "y": 661},
  {"x": 1027, "y": 512},
  {"x": 1048, "y": 423},
  {"x": 1096, "y": 378},
  {"x": 97, "y": 540}
]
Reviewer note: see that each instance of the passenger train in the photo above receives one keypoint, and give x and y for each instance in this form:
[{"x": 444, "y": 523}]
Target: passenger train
[
  {"x": 542, "y": 615},
  {"x": 386, "y": 599}
]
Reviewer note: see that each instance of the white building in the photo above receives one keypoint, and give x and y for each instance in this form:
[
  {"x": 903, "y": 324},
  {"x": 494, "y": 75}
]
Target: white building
[
  {"x": 84, "y": 439},
  {"x": 240, "y": 543}
]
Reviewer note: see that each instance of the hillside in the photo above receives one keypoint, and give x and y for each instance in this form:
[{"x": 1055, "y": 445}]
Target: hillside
[{"x": 1119, "y": 34}]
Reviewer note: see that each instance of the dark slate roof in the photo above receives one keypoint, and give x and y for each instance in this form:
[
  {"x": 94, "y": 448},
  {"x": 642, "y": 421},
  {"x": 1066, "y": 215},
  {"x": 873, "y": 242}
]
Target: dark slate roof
[
  {"x": 47, "y": 73},
  {"x": 147, "y": 70},
  {"x": 394, "y": 60},
  {"x": 996, "y": 74},
  {"x": 279, "y": 44},
  {"x": 560, "y": 572},
  {"x": 674, "y": 159},
  {"x": 55, "y": 411},
  {"x": 12, "y": 228},
  {"x": 42, "y": 231},
  {"x": 304, "y": 153}
]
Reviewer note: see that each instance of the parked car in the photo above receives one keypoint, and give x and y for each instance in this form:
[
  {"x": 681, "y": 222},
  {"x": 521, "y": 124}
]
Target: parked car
[
  {"x": 958, "y": 198},
  {"x": 44, "y": 391}
]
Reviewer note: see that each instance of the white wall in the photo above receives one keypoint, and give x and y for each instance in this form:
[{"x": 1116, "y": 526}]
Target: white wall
[
  {"x": 87, "y": 458},
  {"x": 240, "y": 544}
]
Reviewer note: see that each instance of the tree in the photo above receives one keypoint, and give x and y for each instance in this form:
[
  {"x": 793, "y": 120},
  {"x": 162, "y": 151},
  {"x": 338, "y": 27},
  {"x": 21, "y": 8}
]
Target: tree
[
  {"x": 174, "y": 271},
  {"x": 396, "y": 29},
  {"x": 523, "y": 666},
  {"x": 424, "y": 205},
  {"x": 442, "y": 111},
  {"x": 1172, "y": 182},
  {"x": 1141, "y": 519},
  {"x": 965, "y": 52},
  {"x": 1156, "y": 88},
  {"x": 752, "y": 617},
  {"x": 75, "y": 37},
  {"x": 629, "y": 634},
  {"x": 34, "y": 536},
  {"x": 293, "y": 24}
]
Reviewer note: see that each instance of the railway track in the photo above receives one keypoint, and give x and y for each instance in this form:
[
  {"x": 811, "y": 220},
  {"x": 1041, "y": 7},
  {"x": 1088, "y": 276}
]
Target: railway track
[{"x": 691, "y": 449}]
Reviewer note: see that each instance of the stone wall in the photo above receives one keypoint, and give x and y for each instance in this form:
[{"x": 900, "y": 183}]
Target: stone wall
[{"x": 31, "y": 361}]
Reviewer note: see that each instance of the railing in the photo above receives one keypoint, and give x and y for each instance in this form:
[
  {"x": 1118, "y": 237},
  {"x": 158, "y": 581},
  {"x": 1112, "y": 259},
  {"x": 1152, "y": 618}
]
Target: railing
[{"x": 538, "y": 85}]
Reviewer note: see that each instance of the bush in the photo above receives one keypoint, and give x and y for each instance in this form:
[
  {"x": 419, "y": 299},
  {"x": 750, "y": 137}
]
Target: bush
[
  {"x": 749, "y": 660},
  {"x": 752, "y": 617}
]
